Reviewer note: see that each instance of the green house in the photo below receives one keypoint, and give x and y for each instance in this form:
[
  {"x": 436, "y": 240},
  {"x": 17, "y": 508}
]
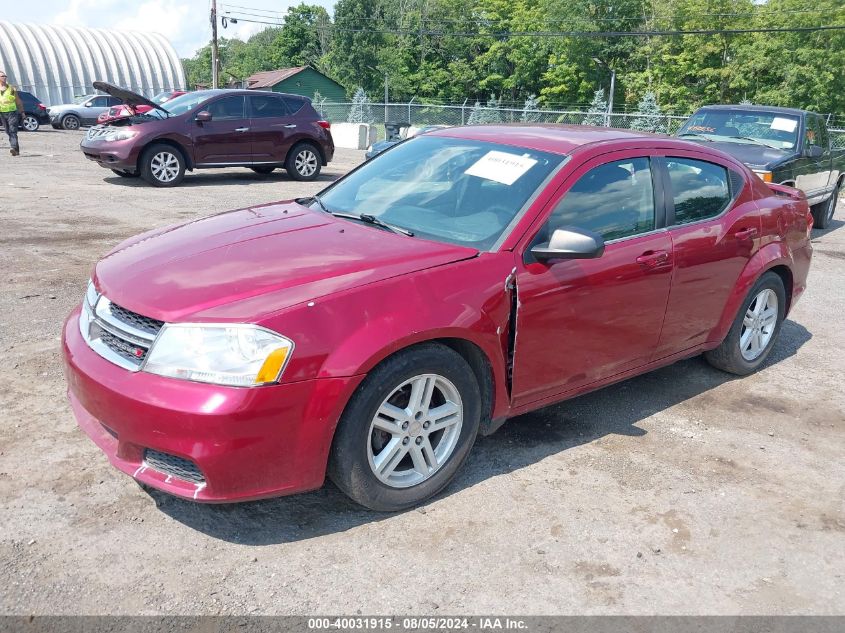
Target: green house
[{"x": 302, "y": 80}]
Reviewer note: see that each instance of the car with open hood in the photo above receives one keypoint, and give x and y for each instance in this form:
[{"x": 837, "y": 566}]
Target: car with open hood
[
  {"x": 210, "y": 129},
  {"x": 462, "y": 278},
  {"x": 82, "y": 112},
  {"x": 125, "y": 110}
]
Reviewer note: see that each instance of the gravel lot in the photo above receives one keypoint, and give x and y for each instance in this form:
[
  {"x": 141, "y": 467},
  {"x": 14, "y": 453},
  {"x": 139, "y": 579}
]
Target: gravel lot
[{"x": 680, "y": 492}]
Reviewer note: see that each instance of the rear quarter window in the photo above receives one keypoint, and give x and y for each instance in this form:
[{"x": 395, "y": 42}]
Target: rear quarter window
[{"x": 294, "y": 104}]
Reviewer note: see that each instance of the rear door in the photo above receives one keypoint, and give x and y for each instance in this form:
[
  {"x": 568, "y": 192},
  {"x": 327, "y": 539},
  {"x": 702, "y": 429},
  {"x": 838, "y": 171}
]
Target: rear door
[
  {"x": 271, "y": 128},
  {"x": 582, "y": 321},
  {"x": 224, "y": 140},
  {"x": 716, "y": 228},
  {"x": 93, "y": 108}
]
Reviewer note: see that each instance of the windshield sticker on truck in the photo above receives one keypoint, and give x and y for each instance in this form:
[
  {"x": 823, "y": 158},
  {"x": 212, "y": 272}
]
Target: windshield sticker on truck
[
  {"x": 784, "y": 125},
  {"x": 501, "y": 167}
]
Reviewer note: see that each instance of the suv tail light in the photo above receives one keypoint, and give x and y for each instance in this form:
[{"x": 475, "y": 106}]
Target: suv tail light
[
  {"x": 324, "y": 124},
  {"x": 41, "y": 106}
]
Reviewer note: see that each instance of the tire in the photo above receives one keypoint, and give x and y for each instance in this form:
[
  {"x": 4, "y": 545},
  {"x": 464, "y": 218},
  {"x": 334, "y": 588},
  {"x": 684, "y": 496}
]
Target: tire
[
  {"x": 30, "y": 123},
  {"x": 359, "y": 447},
  {"x": 162, "y": 165},
  {"x": 71, "y": 122},
  {"x": 738, "y": 353},
  {"x": 126, "y": 174},
  {"x": 263, "y": 169},
  {"x": 303, "y": 162},
  {"x": 823, "y": 212}
]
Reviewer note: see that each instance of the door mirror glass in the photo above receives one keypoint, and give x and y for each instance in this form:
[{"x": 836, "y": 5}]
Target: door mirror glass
[
  {"x": 88, "y": 104},
  {"x": 203, "y": 116},
  {"x": 570, "y": 243},
  {"x": 814, "y": 151}
]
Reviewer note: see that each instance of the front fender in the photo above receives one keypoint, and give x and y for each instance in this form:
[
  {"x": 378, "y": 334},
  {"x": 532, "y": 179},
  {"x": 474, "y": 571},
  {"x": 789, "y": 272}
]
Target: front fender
[{"x": 769, "y": 256}]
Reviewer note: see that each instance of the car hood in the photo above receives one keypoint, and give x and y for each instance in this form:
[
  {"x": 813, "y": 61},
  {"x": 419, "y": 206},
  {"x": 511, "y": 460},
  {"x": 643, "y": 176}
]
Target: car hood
[
  {"x": 243, "y": 265},
  {"x": 749, "y": 153},
  {"x": 127, "y": 96}
]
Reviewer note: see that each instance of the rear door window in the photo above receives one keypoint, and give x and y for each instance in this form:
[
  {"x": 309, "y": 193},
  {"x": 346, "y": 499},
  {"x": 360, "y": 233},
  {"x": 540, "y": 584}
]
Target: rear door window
[
  {"x": 700, "y": 190},
  {"x": 267, "y": 107}
]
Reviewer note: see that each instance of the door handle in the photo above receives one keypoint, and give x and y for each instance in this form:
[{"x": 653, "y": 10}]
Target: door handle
[
  {"x": 653, "y": 259},
  {"x": 290, "y": 126},
  {"x": 747, "y": 234},
  {"x": 241, "y": 129}
]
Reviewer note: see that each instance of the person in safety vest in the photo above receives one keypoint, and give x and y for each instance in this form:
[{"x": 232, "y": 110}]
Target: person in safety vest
[{"x": 11, "y": 112}]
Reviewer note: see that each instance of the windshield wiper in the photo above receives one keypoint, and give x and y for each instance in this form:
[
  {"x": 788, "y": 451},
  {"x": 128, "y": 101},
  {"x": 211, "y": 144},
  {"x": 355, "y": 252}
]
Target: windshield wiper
[
  {"x": 706, "y": 138},
  {"x": 370, "y": 219},
  {"x": 754, "y": 140}
]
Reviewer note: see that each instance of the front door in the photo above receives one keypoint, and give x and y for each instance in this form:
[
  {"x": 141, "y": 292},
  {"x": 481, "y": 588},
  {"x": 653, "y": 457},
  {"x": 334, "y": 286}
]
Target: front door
[
  {"x": 580, "y": 321},
  {"x": 272, "y": 128},
  {"x": 224, "y": 140}
]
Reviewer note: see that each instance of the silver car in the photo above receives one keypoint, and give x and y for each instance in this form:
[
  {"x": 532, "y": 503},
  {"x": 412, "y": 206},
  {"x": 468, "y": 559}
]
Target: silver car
[{"x": 83, "y": 111}]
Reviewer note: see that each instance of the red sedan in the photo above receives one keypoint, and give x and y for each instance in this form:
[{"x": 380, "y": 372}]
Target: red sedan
[{"x": 460, "y": 278}]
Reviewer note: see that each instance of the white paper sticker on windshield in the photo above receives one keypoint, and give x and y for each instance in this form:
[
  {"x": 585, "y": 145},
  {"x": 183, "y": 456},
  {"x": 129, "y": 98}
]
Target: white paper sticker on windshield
[
  {"x": 501, "y": 167},
  {"x": 784, "y": 125}
]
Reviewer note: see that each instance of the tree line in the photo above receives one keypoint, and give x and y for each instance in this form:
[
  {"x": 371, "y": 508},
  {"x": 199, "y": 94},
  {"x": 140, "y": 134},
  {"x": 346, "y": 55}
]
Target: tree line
[{"x": 559, "y": 51}]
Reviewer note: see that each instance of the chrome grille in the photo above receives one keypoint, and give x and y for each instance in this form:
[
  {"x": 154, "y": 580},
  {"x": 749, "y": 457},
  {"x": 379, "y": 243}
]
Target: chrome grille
[
  {"x": 117, "y": 334},
  {"x": 151, "y": 326},
  {"x": 132, "y": 353},
  {"x": 172, "y": 465}
]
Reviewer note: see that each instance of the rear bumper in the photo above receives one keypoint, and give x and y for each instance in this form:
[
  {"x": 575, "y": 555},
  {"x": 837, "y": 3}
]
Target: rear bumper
[{"x": 246, "y": 443}]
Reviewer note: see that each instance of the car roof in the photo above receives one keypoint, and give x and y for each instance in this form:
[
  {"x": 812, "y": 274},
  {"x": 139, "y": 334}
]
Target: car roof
[
  {"x": 756, "y": 108},
  {"x": 543, "y": 137}
]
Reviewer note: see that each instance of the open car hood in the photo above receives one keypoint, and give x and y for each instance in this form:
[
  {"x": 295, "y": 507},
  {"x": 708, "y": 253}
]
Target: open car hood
[{"x": 127, "y": 96}]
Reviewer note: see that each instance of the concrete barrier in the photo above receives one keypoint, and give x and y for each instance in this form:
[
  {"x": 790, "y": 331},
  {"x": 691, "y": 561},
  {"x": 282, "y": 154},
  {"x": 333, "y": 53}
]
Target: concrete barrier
[{"x": 353, "y": 135}]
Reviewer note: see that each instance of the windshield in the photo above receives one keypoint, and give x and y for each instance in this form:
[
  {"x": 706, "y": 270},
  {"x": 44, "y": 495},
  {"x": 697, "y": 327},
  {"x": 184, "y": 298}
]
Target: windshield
[
  {"x": 776, "y": 130},
  {"x": 82, "y": 99},
  {"x": 161, "y": 97},
  {"x": 448, "y": 189},
  {"x": 181, "y": 105}
]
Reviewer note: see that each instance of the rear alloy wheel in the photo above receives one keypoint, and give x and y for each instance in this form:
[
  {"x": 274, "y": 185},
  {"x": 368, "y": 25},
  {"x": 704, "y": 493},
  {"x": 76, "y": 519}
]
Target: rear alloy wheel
[
  {"x": 407, "y": 429},
  {"x": 303, "y": 162},
  {"x": 263, "y": 169},
  {"x": 823, "y": 212},
  {"x": 755, "y": 329},
  {"x": 71, "y": 122},
  {"x": 163, "y": 166},
  {"x": 30, "y": 123}
]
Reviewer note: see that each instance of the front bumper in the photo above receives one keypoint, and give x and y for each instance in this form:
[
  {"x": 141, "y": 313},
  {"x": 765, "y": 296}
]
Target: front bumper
[
  {"x": 111, "y": 155},
  {"x": 247, "y": 443}
]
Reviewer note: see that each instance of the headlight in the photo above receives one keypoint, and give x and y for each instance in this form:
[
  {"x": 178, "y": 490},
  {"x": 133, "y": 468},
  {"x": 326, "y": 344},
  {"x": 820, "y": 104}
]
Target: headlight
[
  {"x": 224, "y": 354},
  {"x": 122, "y": 135},
  {"x": 765, "y": 176},
  {"x": 91, "y": 295}
]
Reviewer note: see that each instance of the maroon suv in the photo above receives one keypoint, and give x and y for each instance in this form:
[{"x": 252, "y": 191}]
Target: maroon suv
[{"x": 212, "y": 128}]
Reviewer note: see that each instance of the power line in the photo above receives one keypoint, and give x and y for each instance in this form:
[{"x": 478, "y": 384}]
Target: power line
[{"x": 557, "y": 34}]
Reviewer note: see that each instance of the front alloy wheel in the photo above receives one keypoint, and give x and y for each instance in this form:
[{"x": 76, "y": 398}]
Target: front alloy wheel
[
  {"x": 415, "y": 430},
  {"x": 407, "y": 428},
  {"x": 163, "y": 166}
]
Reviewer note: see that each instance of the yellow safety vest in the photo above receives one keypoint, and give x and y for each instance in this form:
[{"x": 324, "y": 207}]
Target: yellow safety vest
[{"x": 7, "y": 99}]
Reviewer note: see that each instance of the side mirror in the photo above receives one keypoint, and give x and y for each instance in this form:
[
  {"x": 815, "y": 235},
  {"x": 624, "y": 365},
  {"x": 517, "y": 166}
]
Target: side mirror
[
  {"x": 88, "y": 104},
  {"x": 570, "y": 243},
  {"x": 814, "y": 151},
  {"x": 203, "y": 116}
]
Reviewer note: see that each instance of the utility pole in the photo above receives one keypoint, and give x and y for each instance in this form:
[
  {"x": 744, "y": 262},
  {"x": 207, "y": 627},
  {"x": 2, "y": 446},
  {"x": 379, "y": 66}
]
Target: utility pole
[
  {"x": 610, "y": 99},
  {"x": 386, "y": 97},
  {"x": 214, "y": 52}
]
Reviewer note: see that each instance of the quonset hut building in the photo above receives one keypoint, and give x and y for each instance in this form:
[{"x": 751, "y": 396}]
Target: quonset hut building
[{"x": 58, "y": 63}]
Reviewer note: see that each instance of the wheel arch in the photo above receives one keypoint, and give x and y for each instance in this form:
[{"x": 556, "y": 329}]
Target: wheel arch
[
  {"x": 773, "y": 257},
  {"x": 305, "y": 140},
  {"x": 189, "y": 163}
]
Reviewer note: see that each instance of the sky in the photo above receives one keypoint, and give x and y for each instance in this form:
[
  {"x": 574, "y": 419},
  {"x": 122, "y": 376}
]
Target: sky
[{"x": 184, "y": 22}]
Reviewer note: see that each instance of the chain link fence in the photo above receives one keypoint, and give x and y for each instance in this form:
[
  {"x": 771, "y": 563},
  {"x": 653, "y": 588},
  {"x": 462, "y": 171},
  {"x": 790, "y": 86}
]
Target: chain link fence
[{"x": 421, "y": 114}]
